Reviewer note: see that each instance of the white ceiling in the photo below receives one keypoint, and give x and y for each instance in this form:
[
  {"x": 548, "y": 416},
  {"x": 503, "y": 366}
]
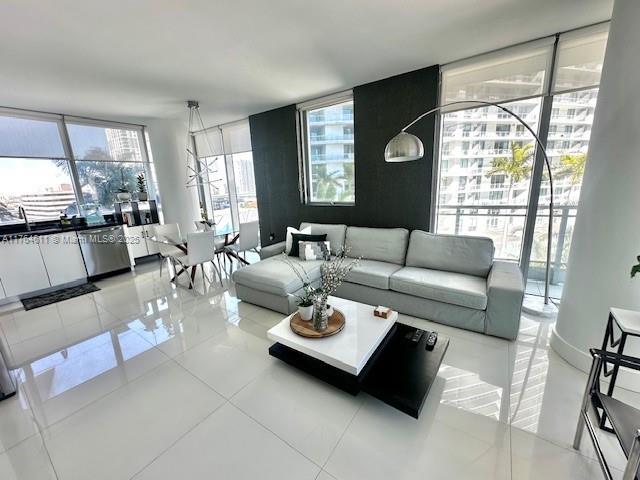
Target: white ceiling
[{"x": 143, "y": 58}]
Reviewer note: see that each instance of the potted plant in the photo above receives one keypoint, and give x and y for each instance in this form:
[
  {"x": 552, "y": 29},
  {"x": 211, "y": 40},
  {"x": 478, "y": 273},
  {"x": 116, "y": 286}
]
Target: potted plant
[
  {"x": 332, "y": 273},
  {"x": 143, "y": 196},
  {"x": 305, "y": 300},
  {"x": 635, "y": 269},
  {"x": 123, "y": 194},
  {"x": 305, "y": 303}
]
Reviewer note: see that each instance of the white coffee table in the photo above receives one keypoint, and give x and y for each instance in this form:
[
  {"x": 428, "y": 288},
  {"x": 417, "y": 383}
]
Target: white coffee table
[
  {"x": 371, "y": 354},
  {"x": 348, "y": 350}
]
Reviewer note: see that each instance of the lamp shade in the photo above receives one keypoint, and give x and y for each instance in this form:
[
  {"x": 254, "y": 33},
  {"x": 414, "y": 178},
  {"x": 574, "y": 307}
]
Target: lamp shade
[{"x": 404, "y": 147}]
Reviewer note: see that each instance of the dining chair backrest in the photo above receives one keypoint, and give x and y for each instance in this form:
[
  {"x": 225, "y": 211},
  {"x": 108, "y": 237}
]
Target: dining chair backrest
[
  {"x": 202, "y": 226},
  {"x": 249, "y": 233},
  {"x": 200, "y": 247},
  {"x": 169, "y": 231}
]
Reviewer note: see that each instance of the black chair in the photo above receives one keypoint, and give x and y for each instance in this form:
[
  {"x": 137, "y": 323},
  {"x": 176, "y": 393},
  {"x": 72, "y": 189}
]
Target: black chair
[{"x": 624, "y": 418}]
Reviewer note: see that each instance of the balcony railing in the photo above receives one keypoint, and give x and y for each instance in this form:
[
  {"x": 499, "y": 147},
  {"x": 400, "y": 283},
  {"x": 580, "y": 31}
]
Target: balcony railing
[
  {"x": 324, "y": 157},
  {"x": 498, "y": 218},
  {"x": 325, "y": 138},
  {"x": 345, "y": 117}
]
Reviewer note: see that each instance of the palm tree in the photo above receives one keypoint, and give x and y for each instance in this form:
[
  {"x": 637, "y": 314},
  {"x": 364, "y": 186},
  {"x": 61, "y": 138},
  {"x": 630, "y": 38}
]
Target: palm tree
[
  {"x": 327, "y": 183},
  {"x": 572, "y": 165},
  {"x": 517, "y": 168}
]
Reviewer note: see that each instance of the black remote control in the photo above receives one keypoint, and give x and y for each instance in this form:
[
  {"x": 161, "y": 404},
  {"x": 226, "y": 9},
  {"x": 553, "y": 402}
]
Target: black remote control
[
  {"x": 415, "y": 338},
  {"x": 431, "y": 341}
]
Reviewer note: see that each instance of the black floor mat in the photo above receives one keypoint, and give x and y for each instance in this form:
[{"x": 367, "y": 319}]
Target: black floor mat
[{"x": 58, "y": 296}]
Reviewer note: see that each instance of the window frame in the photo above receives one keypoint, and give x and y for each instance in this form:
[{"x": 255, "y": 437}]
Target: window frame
[
  {"x": 550, "y": 136},
  {"x": 69, "y": 157},
  {"x": 304, "y": 161}
]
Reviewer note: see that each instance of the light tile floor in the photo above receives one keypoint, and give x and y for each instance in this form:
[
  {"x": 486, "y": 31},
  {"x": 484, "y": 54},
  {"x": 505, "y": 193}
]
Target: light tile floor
[{"x": 146, "y": 380}]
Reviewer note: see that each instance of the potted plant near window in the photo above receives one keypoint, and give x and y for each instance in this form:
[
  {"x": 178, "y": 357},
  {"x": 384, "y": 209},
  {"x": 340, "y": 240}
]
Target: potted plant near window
[
  {"x": 143, "y": 196},
  {"x": 123, "y": 194}
]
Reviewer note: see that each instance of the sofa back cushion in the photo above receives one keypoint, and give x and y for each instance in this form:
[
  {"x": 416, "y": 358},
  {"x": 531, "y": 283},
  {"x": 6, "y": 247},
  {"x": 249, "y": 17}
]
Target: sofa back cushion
[
  {"x": 382, "y": 244},
  {"x": 451, "y": 253},
  {"x": 335, "y": 233}
]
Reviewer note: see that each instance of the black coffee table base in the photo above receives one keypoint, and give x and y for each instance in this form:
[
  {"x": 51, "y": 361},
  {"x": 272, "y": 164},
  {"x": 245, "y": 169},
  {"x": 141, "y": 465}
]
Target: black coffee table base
[{"x": 398, "y": 373}]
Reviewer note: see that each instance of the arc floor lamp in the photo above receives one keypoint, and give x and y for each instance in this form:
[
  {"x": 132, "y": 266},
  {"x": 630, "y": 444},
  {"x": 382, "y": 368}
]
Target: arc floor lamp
[{"x": 405, "y": 147}]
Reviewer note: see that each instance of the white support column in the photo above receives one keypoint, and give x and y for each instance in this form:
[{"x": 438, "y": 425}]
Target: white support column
[
  {"x": 606, "y": 237},
  {"x": 168, "y": 147}
]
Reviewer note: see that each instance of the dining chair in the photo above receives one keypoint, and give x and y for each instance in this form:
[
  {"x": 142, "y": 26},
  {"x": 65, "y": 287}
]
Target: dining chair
[
  {"x": 169, "y": 231},
  {"x": 248, "y": 241},
  {"x": 202, "y": 226},
  {"x": 219, "y": 243},
  {"x": 200, "y": 250}
]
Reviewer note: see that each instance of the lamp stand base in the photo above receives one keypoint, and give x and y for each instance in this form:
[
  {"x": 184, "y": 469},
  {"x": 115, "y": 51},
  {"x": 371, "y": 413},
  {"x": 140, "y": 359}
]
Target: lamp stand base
[{"x": 534, "y": 305}]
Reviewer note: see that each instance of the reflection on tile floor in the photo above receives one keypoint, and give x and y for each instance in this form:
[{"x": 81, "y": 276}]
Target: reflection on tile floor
[{"x": 146, "y": 380}]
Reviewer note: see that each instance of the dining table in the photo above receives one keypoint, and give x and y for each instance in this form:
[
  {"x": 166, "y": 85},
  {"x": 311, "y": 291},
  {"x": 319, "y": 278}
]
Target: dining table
[{"x": 228, "y": 235}]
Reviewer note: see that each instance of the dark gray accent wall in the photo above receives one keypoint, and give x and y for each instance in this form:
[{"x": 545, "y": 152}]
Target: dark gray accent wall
[{"x": 387, "y": 194}]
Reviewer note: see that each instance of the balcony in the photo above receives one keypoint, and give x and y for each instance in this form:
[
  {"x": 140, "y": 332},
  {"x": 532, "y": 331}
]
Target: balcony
[
  {"x": 331, "y": 138},
  {"x": 335, "y": 118},
  {"x": 332, "y": 157},
  {"x": 504, "y": 224}
]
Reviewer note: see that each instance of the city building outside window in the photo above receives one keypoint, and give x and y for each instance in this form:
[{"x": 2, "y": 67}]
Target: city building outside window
[
  {"x": 327, "y": 162},
  {"x": 229, "y": 196},
  {"x": 54, "y": 165},
  {"x": 519, "y": 78}
]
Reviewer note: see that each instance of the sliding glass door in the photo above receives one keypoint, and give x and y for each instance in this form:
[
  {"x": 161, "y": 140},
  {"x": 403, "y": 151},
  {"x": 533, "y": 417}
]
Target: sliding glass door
[
  {"x": 229, "y": 194},
  {"x": 491, "y": 180}
]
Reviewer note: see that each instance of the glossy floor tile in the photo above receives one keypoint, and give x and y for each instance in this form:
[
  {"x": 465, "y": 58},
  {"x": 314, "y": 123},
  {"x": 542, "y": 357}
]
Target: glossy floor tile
[
  {"x": 145, "y": 379},
  {"x": 228, "y": 444},
  {"x": 27, "y": 460},
  {"x": 229, "y": 360},
  {"x": 119, "y": 434},
  {"x": 305, "y": 412}
]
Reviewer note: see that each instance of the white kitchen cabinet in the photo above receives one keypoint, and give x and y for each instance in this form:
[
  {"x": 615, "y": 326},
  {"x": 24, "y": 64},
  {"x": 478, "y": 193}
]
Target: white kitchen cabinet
[
  {"x": 139, "y": 241},
  {"x": 62, "y": 258},
  {"x": 22, "y": 268}
]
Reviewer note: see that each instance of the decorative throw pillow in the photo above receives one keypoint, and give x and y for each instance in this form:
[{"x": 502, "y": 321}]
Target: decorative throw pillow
[
  {"x": 314, "y": 250},
  {"x": 299, "y": 237},
  {"x": 289, "y": 238}
]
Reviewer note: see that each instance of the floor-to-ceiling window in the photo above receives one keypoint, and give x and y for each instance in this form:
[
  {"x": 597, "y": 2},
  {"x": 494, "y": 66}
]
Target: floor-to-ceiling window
[
  {"x": 53, "y": 164},
  {"x": 490, "y": 176},
  {"x": 228, "y": 194}
]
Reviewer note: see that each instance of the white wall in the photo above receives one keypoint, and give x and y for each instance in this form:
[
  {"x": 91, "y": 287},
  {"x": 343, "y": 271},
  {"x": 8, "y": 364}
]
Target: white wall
[
  {"x": 168, "y": 144},
  {"x": 606, "y": 239}
]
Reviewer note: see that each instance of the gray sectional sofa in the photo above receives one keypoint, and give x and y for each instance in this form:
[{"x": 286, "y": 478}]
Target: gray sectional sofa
[{"x": 448, "y": 279}]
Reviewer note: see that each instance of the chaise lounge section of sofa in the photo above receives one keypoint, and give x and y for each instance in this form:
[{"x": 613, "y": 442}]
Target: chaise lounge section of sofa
[{"x": 453, "y": 280}]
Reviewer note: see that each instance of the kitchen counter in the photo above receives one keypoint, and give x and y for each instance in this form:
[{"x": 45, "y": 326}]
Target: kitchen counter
[{"x": 6, "y": 232}]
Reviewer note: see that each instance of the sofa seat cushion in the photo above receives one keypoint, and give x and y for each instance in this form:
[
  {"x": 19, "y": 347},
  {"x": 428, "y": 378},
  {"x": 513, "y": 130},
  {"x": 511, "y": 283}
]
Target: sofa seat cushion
[
  {"x": 447, "y": 287},
  {"x": 274, "y": 276},
  {"x": 373, "y": 273}
]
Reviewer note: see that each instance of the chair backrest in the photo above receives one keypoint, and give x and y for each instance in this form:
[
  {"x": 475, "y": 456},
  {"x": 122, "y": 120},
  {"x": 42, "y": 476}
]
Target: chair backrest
[
  {"x": 200, "y": 247},
  {"x": 249, "y": 233},
  {"x": 167, "y": 231},
  {"x": 202, "y": 226}
]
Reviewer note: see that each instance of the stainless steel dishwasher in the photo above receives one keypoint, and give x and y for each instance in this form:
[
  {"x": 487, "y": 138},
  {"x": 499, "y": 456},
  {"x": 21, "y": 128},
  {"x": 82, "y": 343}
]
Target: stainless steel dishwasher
[{"x": 104, "y": 250}]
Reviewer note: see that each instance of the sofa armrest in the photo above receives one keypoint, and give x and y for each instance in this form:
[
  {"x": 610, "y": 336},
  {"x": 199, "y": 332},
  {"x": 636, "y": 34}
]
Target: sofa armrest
[
  {"x": 505, "y": 292},
  {"x": 272, "y": 250}
]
